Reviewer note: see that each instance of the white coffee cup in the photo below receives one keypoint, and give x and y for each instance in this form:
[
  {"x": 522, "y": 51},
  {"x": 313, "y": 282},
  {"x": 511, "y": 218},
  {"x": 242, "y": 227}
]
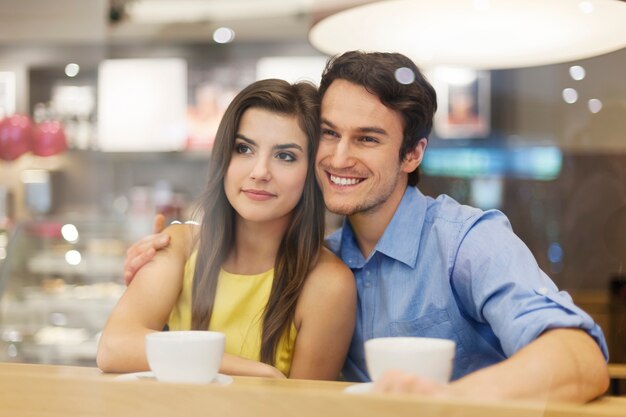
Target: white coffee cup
[
  {"x": 421, "y": 356},
  {"x": 192, "y": 356}
]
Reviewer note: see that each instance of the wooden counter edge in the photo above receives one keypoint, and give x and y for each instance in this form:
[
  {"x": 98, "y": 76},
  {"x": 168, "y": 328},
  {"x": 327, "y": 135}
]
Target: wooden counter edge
[{"x": 65, "y": 391}]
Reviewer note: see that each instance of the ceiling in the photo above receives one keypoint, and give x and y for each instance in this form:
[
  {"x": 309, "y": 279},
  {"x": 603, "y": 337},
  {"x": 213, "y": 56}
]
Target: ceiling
[{"x": 119, "y": 21}]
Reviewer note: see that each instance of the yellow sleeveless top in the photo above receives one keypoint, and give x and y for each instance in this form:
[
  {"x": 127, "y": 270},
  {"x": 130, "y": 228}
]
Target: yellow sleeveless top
[{"x": 240, "y": 301}]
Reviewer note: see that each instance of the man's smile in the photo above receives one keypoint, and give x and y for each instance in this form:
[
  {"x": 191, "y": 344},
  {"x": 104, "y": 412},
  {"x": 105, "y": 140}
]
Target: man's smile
[{"x": 337, "y": 180}]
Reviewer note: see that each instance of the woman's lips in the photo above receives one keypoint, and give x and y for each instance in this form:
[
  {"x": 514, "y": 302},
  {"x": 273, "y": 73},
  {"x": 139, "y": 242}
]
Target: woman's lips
[{"x": 258, "y": 195}]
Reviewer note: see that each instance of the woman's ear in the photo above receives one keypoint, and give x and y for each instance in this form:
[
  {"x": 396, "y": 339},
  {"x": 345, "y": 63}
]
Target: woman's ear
[{"x": 413, "y": 157}]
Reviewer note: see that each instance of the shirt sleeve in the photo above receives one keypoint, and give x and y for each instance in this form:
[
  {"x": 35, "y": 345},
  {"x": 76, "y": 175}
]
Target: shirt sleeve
[{"x": 498, "y": 282}]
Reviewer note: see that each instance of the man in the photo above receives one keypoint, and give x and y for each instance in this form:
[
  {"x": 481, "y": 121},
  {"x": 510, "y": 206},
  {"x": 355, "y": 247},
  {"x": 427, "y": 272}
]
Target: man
[{"x": 432, "y": 267}]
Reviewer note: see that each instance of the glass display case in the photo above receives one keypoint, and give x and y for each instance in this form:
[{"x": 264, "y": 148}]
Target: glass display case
[{"x": 59, "y": 280}]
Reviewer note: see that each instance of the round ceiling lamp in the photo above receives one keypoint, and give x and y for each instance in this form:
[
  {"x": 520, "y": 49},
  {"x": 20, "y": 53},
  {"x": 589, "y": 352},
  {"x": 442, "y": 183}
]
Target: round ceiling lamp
[{"x": 482, "y": 34}]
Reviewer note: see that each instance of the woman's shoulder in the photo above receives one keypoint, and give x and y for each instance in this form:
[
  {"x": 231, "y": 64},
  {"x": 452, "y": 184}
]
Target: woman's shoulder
[
  {"x": 329, "y": 270},
  {"x": 327, "y": 259},
  {"x": 330, "y": 284}
]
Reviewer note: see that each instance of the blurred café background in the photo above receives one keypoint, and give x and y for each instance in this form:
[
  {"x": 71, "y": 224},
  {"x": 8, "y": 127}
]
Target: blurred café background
[{"x": 109, "y": 110}]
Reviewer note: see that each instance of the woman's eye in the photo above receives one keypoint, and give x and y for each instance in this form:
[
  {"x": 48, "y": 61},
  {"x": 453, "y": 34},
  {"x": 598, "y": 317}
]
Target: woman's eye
[
  {"x": 242, "y": 148},
  {"x": 285, "y": 156}
]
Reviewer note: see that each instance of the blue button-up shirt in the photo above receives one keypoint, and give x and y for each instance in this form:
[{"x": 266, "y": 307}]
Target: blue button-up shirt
[{"x": 450, "y": 271}]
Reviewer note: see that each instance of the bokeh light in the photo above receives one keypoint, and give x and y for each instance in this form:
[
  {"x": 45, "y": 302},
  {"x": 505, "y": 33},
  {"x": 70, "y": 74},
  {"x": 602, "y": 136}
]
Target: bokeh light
[
  {"x": 577, "y": 72},
  {"x": 72, "y": 70},
  {"x": 570, "y": 95},
  {"x": 73, "y": 257},
  {"x": 594, "y": 105},
  {"x": 69, "y": 233},
  {"x": 223, "y": 35},
  {"x": 404, "y": 75}
]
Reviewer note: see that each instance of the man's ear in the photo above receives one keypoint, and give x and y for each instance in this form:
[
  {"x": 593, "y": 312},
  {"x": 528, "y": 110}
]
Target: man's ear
[{"x": 413, "y": 157}]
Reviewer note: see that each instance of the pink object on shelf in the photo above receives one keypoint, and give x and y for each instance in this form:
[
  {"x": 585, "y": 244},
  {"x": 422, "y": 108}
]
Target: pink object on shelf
[
  {"x": 49, "y": 139},
  {"x": 16, "y": 134}
]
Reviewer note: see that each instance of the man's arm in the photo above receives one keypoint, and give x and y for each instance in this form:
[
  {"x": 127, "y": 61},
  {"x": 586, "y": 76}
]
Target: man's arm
[
  {"x": 555, "y": 349},
  {"x": 561, "y": 365}
]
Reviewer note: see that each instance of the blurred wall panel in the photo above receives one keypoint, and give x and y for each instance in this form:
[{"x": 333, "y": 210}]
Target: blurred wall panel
[{"x": 142, "y": 105}]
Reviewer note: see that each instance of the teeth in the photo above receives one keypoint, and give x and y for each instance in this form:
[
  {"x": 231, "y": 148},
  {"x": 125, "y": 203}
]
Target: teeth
[{"x": 344, "y": 181}]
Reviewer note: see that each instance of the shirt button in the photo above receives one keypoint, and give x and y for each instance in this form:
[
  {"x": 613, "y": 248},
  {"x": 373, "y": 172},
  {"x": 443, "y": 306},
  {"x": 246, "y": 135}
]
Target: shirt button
[
  {"x": 367, "y": 284},
  {"x": 542, "y": 291},
  {"x": 367, "y": 272}
]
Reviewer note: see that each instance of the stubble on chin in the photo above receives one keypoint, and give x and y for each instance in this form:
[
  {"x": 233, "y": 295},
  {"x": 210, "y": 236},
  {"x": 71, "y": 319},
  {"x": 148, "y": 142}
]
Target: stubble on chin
[
  {"x": 349, "y": 209},
  {"x": 340, "y": 210}
]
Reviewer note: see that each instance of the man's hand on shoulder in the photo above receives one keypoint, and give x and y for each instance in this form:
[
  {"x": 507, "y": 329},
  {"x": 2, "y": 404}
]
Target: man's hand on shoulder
[{"x": 142, "y": 251}]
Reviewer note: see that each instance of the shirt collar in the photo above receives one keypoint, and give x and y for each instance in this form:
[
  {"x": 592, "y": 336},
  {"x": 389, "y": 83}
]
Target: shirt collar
[
  {"x": 401, "y": 238},
  {"x": 349, "y": 252}
]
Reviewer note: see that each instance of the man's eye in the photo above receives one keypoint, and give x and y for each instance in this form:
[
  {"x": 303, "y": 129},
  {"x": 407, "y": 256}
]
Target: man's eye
[
  {"x": 242, "y": 148},
  {"x": 328, "y": 132},
  {"x": 286, "y": 156},
  {"x": 369, "y": 139}
]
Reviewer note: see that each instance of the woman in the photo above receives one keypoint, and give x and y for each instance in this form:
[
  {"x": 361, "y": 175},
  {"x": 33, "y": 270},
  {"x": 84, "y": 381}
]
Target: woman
[{"x": 255, "y": 269}]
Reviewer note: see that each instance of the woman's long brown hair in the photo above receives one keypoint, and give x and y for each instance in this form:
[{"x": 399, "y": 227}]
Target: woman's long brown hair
[{"x": 303, "y": 239}]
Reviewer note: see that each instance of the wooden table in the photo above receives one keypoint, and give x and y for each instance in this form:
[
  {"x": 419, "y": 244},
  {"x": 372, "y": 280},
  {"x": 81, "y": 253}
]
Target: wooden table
[
  {"x": 617, "y": 372},
  {"x": 50, "y": 391}
]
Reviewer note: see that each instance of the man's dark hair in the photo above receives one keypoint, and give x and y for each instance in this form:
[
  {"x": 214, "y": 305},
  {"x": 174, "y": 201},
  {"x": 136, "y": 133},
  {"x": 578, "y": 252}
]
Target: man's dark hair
[{"x": 416, "y": 101}]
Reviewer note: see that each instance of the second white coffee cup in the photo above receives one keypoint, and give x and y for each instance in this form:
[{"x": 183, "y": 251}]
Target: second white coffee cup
[
  {"x": 421, "y": 356},
  {"x": 192, "y": 356}
]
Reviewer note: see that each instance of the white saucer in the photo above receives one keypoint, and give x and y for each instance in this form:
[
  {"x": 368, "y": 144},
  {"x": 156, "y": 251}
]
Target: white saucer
[
  {"x": 220, "y": 379},
  {"x": 362, "y": 388},
  {"x": 135, "y": 376}
]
